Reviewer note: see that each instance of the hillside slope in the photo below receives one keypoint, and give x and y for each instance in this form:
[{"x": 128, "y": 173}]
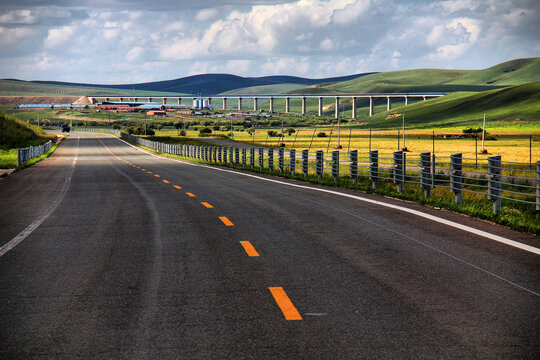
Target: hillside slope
[
  {"x": 516, "y": 106},
  {"x": 514, "y": 72},
  {"x": 15, "y": 133}
]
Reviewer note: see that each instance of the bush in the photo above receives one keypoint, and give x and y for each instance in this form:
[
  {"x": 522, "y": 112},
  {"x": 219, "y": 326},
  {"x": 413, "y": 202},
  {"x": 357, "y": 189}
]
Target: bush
[
  {"x": 321, "y": 134},
  {"x": 205, "y": 131},
  {"x": 272, "y": 133},
  {"x": 290, "y": 131},
  {"x": 182, "y": 133}
]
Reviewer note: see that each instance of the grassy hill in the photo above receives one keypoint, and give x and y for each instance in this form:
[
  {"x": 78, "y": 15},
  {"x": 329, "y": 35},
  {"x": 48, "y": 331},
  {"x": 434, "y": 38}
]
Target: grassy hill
[
  {"x": 513, "y": 72},
  {"x": 264, "y": 89},
  {"x": 15, "y": 133},
  {"x": 516, "y": 107}
]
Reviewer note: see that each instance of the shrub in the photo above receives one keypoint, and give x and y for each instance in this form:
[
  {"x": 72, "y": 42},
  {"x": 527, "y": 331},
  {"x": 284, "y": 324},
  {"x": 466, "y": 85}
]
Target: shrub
[
  {"x": 321, "y": 134},
  {"x": 272, "y": 133},
  {"x": 205, "y": 131}
]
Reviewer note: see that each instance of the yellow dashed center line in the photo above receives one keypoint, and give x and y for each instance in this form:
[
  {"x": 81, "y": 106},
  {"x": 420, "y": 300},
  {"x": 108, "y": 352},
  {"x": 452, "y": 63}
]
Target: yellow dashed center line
[
  {"x": 166, "y": 182},
  {"x": 207, "y": 205},
  {"x": 250, "y": 250},
  {"x": 226, "y": 221},
  {"x": 178, "y": 187},
  {"x": 143, "y": 169},
  {"x": 149, "y": 172},
  {"x": 285, "y": 304},
  {"x": 190, "y": 194},
  {"x": 156, "y": 175}
]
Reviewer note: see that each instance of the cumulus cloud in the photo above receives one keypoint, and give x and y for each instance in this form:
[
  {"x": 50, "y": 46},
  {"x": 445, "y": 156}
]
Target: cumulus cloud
[
  {"x": 58, "y": 36},
  {"x": 206, "y": 15}
]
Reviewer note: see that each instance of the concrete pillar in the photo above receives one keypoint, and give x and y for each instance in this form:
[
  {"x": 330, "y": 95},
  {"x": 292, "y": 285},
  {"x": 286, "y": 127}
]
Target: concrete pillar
[
  {"x": 272, "y": 104},
  {"x": 424, "y": 98},
  {"x": 337, "y": 108},
  {"x": 149, "y": 99},
  {"x": 303, "y": 105},
  {"x": 353, "y": 104},
  {"x": 107, "y": 99},
  {"x": 195, "y": 105},
  {"x": 239, "y": 104},
  {"x": 135, "y": 99},
  {"x": 224, "y": 103},
  {"x": 388, "y": 103},
  {"x": 179, "y": 101},
  {"x": 255, "y": 107},
  {"x": 121, "y": 99},
  {"x": 209, "y": 101},
  {"x": 287, "y": 104},
  {"x": 406, "y": 100},
  {"x": 320, "y": 106},
  {"x": 371, "y": 107},
  {"x": 164, "y": 101}
]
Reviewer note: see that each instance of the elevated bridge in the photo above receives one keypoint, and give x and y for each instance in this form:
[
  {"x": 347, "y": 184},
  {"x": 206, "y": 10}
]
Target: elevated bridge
[{"x": 255, "y": 99}]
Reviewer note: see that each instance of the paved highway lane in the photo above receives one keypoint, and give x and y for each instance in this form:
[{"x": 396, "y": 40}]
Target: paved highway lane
[{"x": 142, "y": 257}]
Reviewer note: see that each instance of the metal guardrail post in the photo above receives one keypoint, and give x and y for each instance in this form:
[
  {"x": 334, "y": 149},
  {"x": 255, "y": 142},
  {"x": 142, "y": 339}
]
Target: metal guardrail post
[
  {"x": 399, "y": 170},
  {"x": 261, "y": 158},
  {"x": 244, "y": 156},
  {"x": 374, "y": 167},
  {"x": 231, "y": 155},
  {"x": 335, "y": 165},
  {"x": 537, "y": 186},
  {"x": 456, "y": 176},
  {"x": 271, "y": 159},
  {"x": 219, "y": 154},
  {"x": 494, "y": 182},
  {"x": 236, "y": 155},
  {"x": 319, "y": 163},
  {"x": 305, "y": 162},
  {"x": 425, "y": 172},
  {"x": 353, "y": 168},
  {"x": 281, "y": 159},
  {"x": 292, "y": 161},
  {"x": 252, "y": 157}
]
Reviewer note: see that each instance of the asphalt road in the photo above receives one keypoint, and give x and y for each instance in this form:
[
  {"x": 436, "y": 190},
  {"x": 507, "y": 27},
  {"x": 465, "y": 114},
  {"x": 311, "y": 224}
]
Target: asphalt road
[{"x": 104, "y": 259}]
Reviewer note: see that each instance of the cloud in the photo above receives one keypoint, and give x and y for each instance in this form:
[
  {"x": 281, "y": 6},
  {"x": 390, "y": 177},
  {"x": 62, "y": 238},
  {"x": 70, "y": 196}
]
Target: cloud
[
  {"x": 22, "y": 16},
  {"x": 206, "y": 15},
  {"x": 59, "y": 36},
  {"x": 134, "y": 54}
]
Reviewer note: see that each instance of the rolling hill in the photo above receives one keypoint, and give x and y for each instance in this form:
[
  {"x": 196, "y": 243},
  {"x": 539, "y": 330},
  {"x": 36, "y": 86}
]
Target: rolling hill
[{"x": 514, "y": 72}]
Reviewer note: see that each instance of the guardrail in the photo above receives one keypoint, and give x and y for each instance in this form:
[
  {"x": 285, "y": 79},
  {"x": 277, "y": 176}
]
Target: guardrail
[
  {"x": 25, "y": 154},
  {"x": 492, "y": 178}
]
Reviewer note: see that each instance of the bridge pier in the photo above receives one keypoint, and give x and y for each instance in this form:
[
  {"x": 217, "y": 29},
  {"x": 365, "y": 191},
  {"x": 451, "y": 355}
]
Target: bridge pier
[
  {"x": 336, "y": 113},
  {"x": 371, "y": 107},
  {"x": 224, "y": 103},
  {"x": 353, "y": 103},
  {"x": 424, "y": 98},
  {"x": 255, "y": 101},
  {"x": 287, "y": 104},
  {"x": 179, "y": 101},
  {"x": 164, "y": 101},
  {"x": 388, "y": 103},
  {"x": 239, "y": 104},
  {"x": 406, "y": 100},
  {"x": 303, "y": 105},
  {"x": 320, "y": 106},
  {"x": 271, "y": 104},
  {"x": 121, "y": 99}
]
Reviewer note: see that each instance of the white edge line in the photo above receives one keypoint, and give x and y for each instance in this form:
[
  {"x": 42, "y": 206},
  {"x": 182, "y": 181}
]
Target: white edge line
[{"x": 453, "y": 224}]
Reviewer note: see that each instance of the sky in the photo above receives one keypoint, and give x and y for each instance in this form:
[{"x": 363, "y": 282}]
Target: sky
[{"x": 132, "y": 41}]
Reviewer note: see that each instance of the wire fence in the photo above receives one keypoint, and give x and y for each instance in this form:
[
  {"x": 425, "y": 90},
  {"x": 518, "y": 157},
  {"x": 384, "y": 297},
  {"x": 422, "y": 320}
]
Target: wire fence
[{"x": 492, "y": 178}]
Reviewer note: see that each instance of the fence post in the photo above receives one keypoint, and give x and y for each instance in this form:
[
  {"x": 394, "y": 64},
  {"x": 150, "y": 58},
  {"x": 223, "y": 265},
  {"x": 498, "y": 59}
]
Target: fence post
[
  {"x": 261, "y": 158},
  {"x": 494, "y": 183},
  {"x": 244, "y": 156},
  {"x": 18, "y": 157},
  {"x": 252, "y": 157},
  {"x": 425, "y": 172},
  {"x": 374, "y": 167},
  {"x": 335, "y": 165},
  {"x": 231, "y": 154},
  {"x": 537, "y": 187},
  {"x": 236, "y": 155},
  {"x": 271, "y": 159},
  {"x": 305, "y": 162},
  {"x": 319, "y": 163},
  {"x": 353, "y": 168},
  {"x": 281, "y": 159},
  {"x": 292, "y": 161},
  {"x": 399, "y": 170},
  {"x": 456, "y": 176}
]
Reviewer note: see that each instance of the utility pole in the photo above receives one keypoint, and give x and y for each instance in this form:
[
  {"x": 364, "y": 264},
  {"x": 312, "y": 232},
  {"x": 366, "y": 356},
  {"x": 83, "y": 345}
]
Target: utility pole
[
  {"x": 404, "y": 147},
  {"x": 483, "y": 133}
]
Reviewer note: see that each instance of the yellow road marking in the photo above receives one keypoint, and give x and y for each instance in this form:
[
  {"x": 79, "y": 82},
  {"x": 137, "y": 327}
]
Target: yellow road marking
[
  {"x": 178, "y": 187},
  {"x": 190, "y": 194},
  {"x": 149, "y": 172},
  {"x": 207, "y": 205},
  {"x": 143, "y": 169},
  {"x": 285, "y": 304},
  {"x": 166, "y": 182},
  {"x": 156, "y": 175},
  {"x": 226, "y": 221},
  {"x": 250, "y": 250}
]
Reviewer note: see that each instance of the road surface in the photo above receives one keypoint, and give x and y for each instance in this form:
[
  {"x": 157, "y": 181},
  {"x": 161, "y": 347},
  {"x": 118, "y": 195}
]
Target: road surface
[{"x": 109, "y": 252}]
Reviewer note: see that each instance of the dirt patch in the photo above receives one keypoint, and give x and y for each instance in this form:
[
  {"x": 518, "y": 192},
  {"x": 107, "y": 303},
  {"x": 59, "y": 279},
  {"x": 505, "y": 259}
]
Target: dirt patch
[
  {"x": 83, "y": 100},
  {"x": 391, "y": 116},
  {"x": 18, "y": 100}
]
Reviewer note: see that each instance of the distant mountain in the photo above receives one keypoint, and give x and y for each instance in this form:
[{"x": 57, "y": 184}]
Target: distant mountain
[{"x": 211, "y": 84}]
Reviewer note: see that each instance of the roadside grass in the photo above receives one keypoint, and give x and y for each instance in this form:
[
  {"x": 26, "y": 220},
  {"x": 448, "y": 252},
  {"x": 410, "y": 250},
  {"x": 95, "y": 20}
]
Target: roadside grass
[
  {"x": 38, "y": 158},
  {"x": 8, "y": 159},
  {"x": 518, "y": 216}
]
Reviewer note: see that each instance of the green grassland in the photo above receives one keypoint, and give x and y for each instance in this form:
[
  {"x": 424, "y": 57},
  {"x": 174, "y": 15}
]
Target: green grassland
[{"x": 28, "y": 88}]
